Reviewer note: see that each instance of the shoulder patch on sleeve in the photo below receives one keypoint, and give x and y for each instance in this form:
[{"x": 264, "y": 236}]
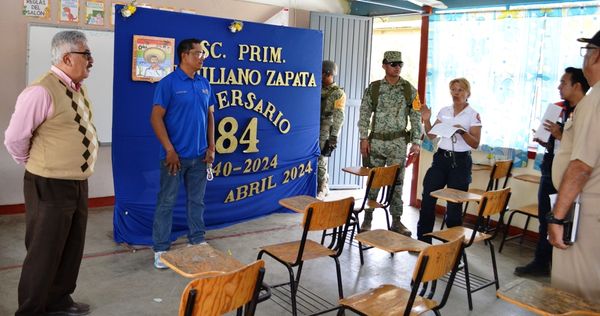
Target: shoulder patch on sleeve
[
  {"x": 340, "y": 103},
  {"x": 416, "y": 104}
]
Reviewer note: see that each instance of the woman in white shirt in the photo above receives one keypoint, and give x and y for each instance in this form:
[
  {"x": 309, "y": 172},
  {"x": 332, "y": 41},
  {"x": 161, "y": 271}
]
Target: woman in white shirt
[{"x": 452, "y": 162}]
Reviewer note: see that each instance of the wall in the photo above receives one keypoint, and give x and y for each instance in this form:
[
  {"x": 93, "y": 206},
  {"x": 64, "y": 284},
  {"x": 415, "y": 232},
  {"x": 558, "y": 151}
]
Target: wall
[{"x": 14, "y": 55}]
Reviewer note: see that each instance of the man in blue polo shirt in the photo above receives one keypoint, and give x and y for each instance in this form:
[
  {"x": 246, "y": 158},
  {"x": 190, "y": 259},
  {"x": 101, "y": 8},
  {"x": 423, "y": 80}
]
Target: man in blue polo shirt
[{"x": 183, "y": 121}]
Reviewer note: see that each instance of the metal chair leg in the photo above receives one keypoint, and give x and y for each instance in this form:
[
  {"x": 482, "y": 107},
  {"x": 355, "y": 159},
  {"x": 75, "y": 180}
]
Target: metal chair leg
[
  {"x": 506, "y": 229},
  {"x": 467, "y": 281},
  {"x": 525, "y": 229},
  {"x": 338, "y": 271},
  {"x": 494, "y": 266},
  {"x": 293, "y": 290}
]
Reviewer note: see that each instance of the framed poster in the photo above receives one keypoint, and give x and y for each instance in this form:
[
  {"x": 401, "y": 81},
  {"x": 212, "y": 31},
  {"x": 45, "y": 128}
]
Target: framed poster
[
  {"x": 113, "y": 11},
  {"x": 94, "y": 12},
  {"x": 153, "y": 57},
  {"x": 36, "y": 8},
  {"x": 69, "y": 11}
]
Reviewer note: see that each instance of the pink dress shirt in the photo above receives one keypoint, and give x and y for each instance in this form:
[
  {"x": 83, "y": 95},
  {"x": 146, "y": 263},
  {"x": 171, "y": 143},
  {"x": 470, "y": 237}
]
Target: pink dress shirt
[{"x": 33, "y": 106}]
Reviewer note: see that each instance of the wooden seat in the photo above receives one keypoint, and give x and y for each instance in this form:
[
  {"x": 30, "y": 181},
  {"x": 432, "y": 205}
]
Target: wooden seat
[
  {"x": 220, "y": 294},
  {"x": 545, "y": 300},
  {"x": 501, "y": 170},
  {"x": 318, "y": 216},
  {"x": 492, "y": 203},
  {"x": 199, "y": 261},
  {"x": 529, "y": 211},
  {"x": 382, "y": 179},
  {"x": 389, "y": 241},
  {"x": 434, "y": 262}
]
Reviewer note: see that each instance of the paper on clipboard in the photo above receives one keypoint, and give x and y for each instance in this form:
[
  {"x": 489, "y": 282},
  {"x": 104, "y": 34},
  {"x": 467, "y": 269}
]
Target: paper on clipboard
[
  {"x": 552, "y": 114},
  {"x": 444, "y": 130}
]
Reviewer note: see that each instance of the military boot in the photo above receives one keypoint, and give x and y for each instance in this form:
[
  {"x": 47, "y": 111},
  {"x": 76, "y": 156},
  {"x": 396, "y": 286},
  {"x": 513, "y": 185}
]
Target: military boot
[
  {"x": 366, "y": 225},
  {"x": 398, "y": 227}
]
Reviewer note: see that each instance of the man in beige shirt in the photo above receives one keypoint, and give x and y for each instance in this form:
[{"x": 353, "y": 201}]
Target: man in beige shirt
[{"x": 576, "y": 172}]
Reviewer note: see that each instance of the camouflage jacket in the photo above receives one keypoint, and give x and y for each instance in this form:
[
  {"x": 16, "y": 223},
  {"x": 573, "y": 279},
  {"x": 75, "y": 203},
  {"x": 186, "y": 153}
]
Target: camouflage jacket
[
  {"x": 393, "y": 113},
  {"x": 333, "y": 102}
]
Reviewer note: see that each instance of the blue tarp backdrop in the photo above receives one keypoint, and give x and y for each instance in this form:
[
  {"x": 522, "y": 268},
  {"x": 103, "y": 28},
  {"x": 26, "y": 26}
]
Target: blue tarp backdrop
[{"x": 267, "y": 84}]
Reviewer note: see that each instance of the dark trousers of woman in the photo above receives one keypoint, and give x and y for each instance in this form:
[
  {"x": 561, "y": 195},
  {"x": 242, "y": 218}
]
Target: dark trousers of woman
[
  {"x": 452, "y": 169},
  {"x": 543, "y": 251},
  {"x": 56, "y": 218}
]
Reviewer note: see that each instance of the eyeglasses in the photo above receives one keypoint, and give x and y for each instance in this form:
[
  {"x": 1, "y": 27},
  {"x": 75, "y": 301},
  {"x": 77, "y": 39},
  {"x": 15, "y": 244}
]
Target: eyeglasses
[
  {"x": 87, "y": 54},
  {"x": 396, "y": 64},
  {"x": 199, "y": 54},
  {"x": 583, "y": 51}
]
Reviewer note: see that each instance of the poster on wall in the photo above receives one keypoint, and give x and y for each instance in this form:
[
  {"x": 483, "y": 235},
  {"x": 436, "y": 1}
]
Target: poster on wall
[
  {"x": 69, "y": 11},
  {"x": 113, "y": 11},
  {"x": 37, "y": 8},
  {"x": 266, "y": 81},
  {"x": 94, "y": 13},
  {"x": 153, "y": 57}
]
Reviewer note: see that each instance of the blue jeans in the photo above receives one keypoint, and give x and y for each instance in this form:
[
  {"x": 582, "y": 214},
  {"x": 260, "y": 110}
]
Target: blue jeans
[
  {"x": 543, "y": 251},
  {"x": 193, "y": 175}
]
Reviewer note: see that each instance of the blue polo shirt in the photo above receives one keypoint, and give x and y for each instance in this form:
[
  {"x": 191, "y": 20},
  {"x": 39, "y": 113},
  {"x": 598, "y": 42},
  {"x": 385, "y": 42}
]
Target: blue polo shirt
[{"x": 186, "y": 102}]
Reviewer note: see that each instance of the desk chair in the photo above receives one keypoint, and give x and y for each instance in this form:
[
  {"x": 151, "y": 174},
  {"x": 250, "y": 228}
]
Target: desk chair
[
  {"x": 434, "y": 262},
  {"x": 529, "y": 211},
  {"x": 223, "y": 293},
  {"x": 382, "y": 179},
  {"x": 492, "y": 202},
  {"x": 318, "y": 216},
  {"x": 501, "y": 170}
]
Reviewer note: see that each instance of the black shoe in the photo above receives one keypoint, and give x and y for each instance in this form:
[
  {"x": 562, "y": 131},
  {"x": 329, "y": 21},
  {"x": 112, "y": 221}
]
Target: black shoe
[
  {"x": 76, "y": 309},
  {"x": 533, "y": 269}
]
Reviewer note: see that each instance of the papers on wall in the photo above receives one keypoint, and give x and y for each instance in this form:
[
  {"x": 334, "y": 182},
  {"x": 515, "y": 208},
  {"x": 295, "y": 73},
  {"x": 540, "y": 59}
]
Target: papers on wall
[{"x": 552, "y": 114}]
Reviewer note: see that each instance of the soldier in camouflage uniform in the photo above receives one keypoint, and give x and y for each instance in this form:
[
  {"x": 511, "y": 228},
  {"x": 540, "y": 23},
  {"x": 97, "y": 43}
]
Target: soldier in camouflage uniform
[
  {"x": 333, "y": 101},
  {"x": 387, "y": 106}
]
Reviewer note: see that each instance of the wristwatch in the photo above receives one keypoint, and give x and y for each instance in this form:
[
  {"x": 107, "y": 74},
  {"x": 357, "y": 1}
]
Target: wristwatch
[{"x": 553, "y": 220}]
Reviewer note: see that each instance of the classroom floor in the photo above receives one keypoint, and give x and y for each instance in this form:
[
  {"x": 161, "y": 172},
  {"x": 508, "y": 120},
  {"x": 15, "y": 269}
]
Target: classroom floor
[{"x": 120, "y": 279}]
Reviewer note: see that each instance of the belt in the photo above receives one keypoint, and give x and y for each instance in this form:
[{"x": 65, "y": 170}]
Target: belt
[
  {"x": 388, "y": 136},
  {"x": 448, "y": 153}
]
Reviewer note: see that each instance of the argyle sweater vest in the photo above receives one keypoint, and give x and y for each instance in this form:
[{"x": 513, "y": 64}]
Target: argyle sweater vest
[{"x": 65, "y": 145}]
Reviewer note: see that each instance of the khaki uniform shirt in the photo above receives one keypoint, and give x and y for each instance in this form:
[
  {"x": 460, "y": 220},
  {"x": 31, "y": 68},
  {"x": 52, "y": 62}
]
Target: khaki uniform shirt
[{"x": 579, "y": 141}]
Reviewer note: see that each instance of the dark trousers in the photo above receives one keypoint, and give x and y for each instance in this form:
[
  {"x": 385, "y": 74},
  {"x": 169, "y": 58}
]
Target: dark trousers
[
  {"x": 56, "y": 218},
  {"x": 543, "y": 251},
  {"x": 448, "y": 169}
]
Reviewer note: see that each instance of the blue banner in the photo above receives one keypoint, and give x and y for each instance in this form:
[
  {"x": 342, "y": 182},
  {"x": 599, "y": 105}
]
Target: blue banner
[{"x": 267, "y": 83}]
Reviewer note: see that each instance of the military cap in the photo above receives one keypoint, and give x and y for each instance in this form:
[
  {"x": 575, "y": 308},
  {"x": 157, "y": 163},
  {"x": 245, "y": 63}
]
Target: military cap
[
  {"x": 594, "y": 40},
  {"x": 392, "y": 56},
  {"x": 329, "y": 67}
]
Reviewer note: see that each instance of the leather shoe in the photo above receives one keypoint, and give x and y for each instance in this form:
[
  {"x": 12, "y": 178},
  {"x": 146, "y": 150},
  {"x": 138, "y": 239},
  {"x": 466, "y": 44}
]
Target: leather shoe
[
  {"x": 76, "y": 309},
  {"x": 533, "y": 269}
]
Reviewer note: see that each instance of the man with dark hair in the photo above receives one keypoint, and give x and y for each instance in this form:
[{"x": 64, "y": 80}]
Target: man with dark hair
[
  {"x": 51, "y": 132},
  {"x": 387, "y": 107},
  {"x": 333, "y": 102},
  {"x": 576, "y": 174},
  {"x": 572, "y": 89},
  {"x": 183, "y": 121}
]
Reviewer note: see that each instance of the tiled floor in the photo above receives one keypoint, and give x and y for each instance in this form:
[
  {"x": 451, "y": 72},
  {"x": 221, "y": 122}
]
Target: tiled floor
[{"x": 120, "y": 280}]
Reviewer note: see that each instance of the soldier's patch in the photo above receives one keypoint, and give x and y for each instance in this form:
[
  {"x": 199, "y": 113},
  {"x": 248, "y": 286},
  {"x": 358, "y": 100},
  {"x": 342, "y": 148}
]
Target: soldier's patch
[
  {"x": 340, "y": 103},
  {"x": 416, "y": 104}
]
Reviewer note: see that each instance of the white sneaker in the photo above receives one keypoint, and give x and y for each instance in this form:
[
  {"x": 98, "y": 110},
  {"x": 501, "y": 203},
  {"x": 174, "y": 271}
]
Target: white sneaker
[
  {"x": 157, "y": 263},
  {"x": 198, "y": 244}
]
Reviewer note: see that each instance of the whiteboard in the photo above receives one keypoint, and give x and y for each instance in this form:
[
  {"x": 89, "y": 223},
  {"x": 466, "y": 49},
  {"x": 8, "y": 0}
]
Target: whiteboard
[{"x": 100, "y": 81}]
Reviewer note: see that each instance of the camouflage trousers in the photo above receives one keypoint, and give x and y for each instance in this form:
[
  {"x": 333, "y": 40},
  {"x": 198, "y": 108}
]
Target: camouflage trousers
[
  {"x": 387, "y": 153},
  {"x": 322, "y": 175}
]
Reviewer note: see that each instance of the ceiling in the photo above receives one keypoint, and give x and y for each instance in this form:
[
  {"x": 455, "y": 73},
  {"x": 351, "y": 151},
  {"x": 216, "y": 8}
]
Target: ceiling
[{"x": 396, "y": 7}]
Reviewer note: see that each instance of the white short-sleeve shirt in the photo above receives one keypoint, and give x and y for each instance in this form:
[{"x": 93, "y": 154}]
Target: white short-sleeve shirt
[{"x": 467, "y": 118}]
